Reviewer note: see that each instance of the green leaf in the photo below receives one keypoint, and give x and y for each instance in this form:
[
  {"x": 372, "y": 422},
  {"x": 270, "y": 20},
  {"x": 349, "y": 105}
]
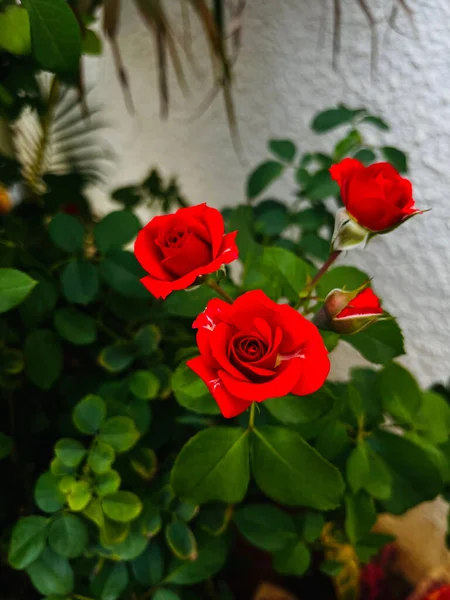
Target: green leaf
[
  {"x": 213, "y": 465},
  {"x": 6, "y": 445},
  {"x": 107, "y": 483},
  {"x": 332, "y": 568},
  {"x": 111, "y": 582},
  {"x": 321, "y": 186},
  {"x": 272, "y": 218},
  {"x": 401, "y": 395},
  {"x": 38, "y": 305},
  {"x": 311, "y": 525},
  {"x": 433, "y": 418},
  {"x": 43, "y": 358},
  {"x": 130, "y": 196},
  {"x": 312, "y": 244},
  {"x": 68, "y": 536},
  {"x": 348, "y": 278},
  {"x": 14, "y": 288},
  {"x": 117, "y": 357},
  {"x": 358, "y": 468},
  {"x": 122, "y": 506},
  {"x": 283, "y": 149},
  {"x": 70, "y": 452},
  {"x": 346, "y": 145},
  {"x": 79, "y": 496},
  {"x": 293, "y": 560},
  {"x": 360, "y": 516},
  {"x": 215, "y": 518},
  {"x": 186, "y": 511},
  {"x": 101, "y": 457},
  {"x": 89, "y": 414},
  {"x": 57, "y": 467},
  {"x": 189, "y": 304},
  {"x": 212, "y": 552},
  {"x": 122, "y": 272},
  {"x": 51, "y": 574},
  {"x": 27, "y": 541},
  {"x": 265, "y": 174},
  {"x": 150, "y": 520},
  {"x": 15, "y": 30},
  {"x": 376, "y": 122},
  {"x": 47, "y": 494},
  {"x": 379, "y": 343},
  {"x": 148, "y": 568},
  {"x": 415, "y": 475},
  {"x": 145, "y": 463},
  {"x": 290, "y": 270},
  {"x": 91, "y": 44},
  {"x": 282, "y": 463},
  {"x": 66, "y": 232},
  {"x": 331, "y": 118},
  {"x": 192, "y": 393},
  {"x": 265, "y": 526},
  {"x": 55, "y": 35},
  {"x": 165, "y": 594},
  {"x": 144, "y": 385},
  {"x": 397, "y": 158},
  {"x": 115, "y": 230},
  {"x": 120, "y": 433},
  {"x": 330, "y": 339},
  {"x": 181, "y": 540},
  {"x": 79, "y": 282},
  {"x": 74, "y": 326},
  {"x": 365, "y": 155},
  {"x": 132, "y": 547},
  {"x": 147, "y": 340},
  {"x": 333, "y": 440},
  {"x": 113, "y": 532},
  {"x": 299, "y": 409},
  {"x": 379, "y": 483}
]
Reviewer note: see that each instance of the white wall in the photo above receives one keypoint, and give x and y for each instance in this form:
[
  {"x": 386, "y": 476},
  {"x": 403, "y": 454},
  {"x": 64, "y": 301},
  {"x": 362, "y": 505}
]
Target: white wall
[{"x": 282, "y": 79}]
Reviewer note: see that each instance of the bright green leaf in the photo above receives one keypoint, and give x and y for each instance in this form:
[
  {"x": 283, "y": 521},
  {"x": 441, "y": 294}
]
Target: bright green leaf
[
  {"x": 191, "y": 392},
  {"x": 101, "y": 457},
  {"x": 14, "y": 288},
  {"x": 91, "y": 44},
  {"x": 122, "y": 506},
  {"x": 144, "y": 385},
  {"x": 120, "y": 433},
  {"x": 89, "y": 414},
  {"x": 15, "y": 30},
  {"x": 358, "y": 468},
  {"x": 70, "y": 452},
  {"x": 400, "y": 393},
  {"x": 165, "y": 594},
  {"x": 107, "y": 483},
  {"x": 213, "y": 465},
  {"x": 79, "y": 496}
]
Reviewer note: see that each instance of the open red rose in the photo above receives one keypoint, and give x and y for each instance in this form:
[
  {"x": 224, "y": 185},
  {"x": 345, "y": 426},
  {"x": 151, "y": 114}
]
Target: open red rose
[
  {"x": 255, "y": 349},
  {"x": 176, "y": 249},
  {"x": 376, "y": 197},
  {"x": 443, "y": 593}
]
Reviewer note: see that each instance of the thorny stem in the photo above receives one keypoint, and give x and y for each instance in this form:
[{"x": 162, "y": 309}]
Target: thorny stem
[
  {"x": 216, "y": 287},
  {"x": 312, "y": 284}
]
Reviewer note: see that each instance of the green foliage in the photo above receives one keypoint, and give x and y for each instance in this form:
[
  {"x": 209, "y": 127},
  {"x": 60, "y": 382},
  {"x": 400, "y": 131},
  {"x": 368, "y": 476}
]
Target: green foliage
[{"x": 14, "y": 288}]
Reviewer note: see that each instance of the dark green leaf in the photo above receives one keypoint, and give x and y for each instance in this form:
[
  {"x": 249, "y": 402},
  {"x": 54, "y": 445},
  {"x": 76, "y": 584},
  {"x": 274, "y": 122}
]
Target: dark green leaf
[
  {"x": 14, "y": 288},
  {"x": 122, "y": 506},
  {"x": 213, "y": 465},
  {"x": 293, "y": 560},
  {"x": 6, "y": 445},
  {"x": 144, "y": 385},
  {"x": 283, "y": 149},
  {"x": 360, "y": 516},
  {"x": 145, "y": 463},
  {"x": 128, "y": 196},
  {"x": 120, "y": 433},
  {"x": 331, "y": 118},
  {"x": 349, "y": 278},
  {"x": 181, "y": 540},
  {"x": 400, "y": 393},
  {"x": 40, "y": 303},
  {"x": 116, "y": 229},
  {"x": 27, "y": 541},
  {"x": 132, "y": 547},
  {"x": 192, "y": 393},
  {"x": 117, "y": 357},
  {"x": 377, "y": 122},
  {"x": 433, "y": 418},
  {"x": 189, "y": 303},
  {"x": 321, "y": 186},
  {"x": 111, "y": 581},
  {"x": 55, "y": 35},
  {"x": 332, "y": 568},
  {"x": 396, "y": 157},
  {"x": 358, "y": 468},
  {"x": 333, "y": 440},
  {"x": 282, "y": 462},
  {"x": 365, "y": 155},
  {"x": 89, "y": 414},
  {"x": 314, "y": 245},
  {"x": 379, "y": 343},
  {"x": 290, "y": 270},
  {"x": 346, "y": 145},
  {"x": 148, "y": 568},
  {"x": 79, "y": 282},
  {"x": 74, "y": 326},
  {"x": 265, "y": 174},
  {"x": 147, "y": 340},
  {"x": 299, "y": 409},
  {"x": 311, "y": 525},
  {"x": 187, "y": 511},
  {"x": 68, "y": 536},
  {"x": 272, "y": 218},
  {"x": 43, "y": 358},
  {"x": 66, "y": 232},
  {"x": 122, "y": 272},
  {"x": 379, "y": 483},
  {"x": 165, "y": 594},
  {"x": 51, "y": 574},
  {"x": 92, "y": 44},
  {"x": 265, "y": 526}
]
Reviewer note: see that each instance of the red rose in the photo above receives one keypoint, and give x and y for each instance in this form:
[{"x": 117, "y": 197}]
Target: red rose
[
  {"x": 176, "y": 249},
  {"x": 443, "y": 593},
  {"x": 376, "y": 197},
  {"x": 255, "y": 349}
]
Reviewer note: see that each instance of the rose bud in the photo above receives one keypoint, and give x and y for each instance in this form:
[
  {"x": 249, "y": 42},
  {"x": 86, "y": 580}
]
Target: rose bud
[
  {"x": 376, "y": 199},
  {"x": 177, "y": 249},
  {"x": 349, "y": 312},
  {"x": 256, "y": 349}
]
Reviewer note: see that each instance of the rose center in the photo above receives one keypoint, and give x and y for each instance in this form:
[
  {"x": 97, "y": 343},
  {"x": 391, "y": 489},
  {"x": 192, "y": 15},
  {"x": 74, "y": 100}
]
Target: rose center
[
  {"x": 249, "y": 348},
  {"x": 176, "y": 237}
]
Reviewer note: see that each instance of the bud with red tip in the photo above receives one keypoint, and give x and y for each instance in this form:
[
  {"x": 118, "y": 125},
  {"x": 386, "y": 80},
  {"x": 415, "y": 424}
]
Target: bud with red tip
[{"x": 349, "y": 312}]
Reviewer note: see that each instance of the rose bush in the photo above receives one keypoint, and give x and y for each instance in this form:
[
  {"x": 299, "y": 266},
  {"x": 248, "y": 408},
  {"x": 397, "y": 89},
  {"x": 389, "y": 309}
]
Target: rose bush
[{"x": 123, "y": 480}]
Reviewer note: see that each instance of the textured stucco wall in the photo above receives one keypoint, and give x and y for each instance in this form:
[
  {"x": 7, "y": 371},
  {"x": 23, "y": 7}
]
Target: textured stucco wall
[{"x": 282, "y": 78}]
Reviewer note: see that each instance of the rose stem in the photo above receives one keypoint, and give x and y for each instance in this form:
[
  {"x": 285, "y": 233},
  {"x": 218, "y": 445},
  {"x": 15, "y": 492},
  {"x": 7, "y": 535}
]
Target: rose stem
[
  {"x": 324, "y": 268},
  {"x": 251, "y": 419},
  {"x": 216, "y": 287}
]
